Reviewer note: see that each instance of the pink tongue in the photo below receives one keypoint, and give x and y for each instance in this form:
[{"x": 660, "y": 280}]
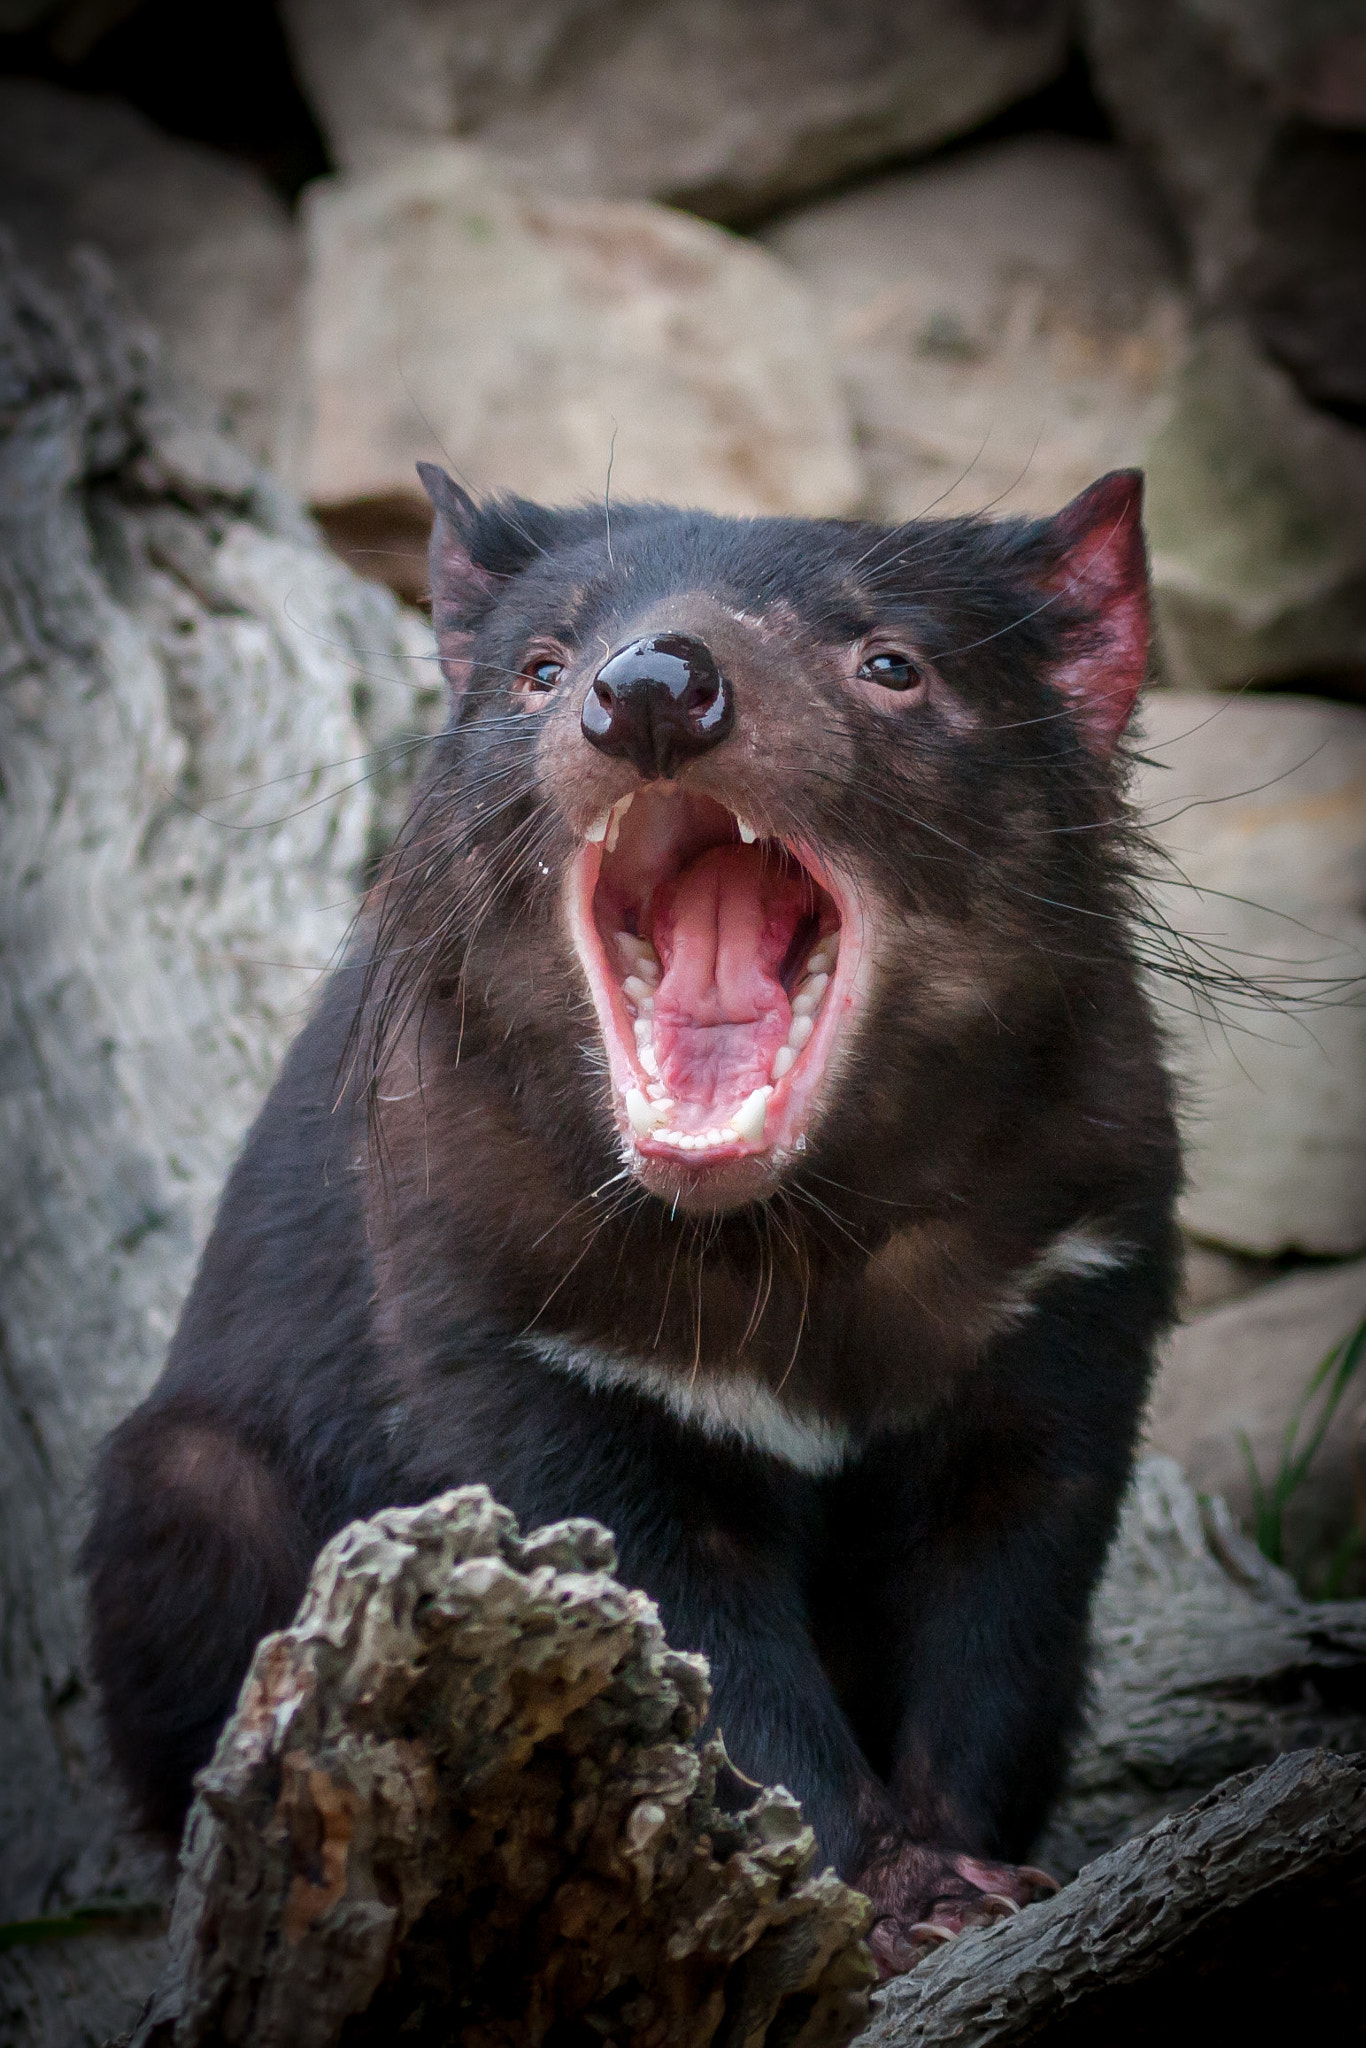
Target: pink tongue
[{"x": 722, "y": 931}]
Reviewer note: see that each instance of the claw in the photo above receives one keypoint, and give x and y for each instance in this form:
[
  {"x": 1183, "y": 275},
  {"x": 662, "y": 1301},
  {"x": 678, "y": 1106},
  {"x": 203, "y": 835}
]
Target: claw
[
  {"x": 1000, "y": 1899},
  {"x": 930, "y": 1929},
  {"x": 1050, "y": 1884}
]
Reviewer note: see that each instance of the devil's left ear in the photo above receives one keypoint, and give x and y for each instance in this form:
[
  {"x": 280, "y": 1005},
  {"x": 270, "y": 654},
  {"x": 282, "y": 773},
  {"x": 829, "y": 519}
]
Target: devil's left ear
[
  {"x": 461, "y": 587},
  {"x": 1099, "y": 570}
]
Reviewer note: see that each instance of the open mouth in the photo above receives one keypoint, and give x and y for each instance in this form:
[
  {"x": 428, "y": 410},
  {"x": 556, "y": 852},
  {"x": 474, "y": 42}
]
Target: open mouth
[{"x": 723, "y": 967}]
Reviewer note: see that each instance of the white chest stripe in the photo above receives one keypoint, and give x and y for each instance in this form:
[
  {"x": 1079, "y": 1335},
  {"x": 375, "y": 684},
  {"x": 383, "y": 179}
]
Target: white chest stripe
[
  {"x": 1072, "y": 1255},
  {"x": 738, "y": 1406},
  {"x": 747, "y": 1411}
]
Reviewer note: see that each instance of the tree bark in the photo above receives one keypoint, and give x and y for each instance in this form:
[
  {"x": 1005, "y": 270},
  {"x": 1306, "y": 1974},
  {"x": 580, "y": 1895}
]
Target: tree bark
[
  {"x": 1207, "y": 1662},
  {"x": 462, "y": 1797},
  {"x": 1203, "y": 1925}
]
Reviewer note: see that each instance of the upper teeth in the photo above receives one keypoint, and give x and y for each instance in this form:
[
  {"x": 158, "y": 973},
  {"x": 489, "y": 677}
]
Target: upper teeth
[
  {"x": 748, "y": 835},
  {"x": 646, "y": 1111}
]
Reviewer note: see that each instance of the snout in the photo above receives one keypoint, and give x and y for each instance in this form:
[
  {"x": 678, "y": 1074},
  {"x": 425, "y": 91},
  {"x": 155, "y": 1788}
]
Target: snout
[{"x": 658, "y": 703}]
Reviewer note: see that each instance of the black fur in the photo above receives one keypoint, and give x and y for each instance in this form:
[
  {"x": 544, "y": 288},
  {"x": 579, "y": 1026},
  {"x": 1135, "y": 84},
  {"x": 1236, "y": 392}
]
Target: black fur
[{"x": 901, "y": 1641}]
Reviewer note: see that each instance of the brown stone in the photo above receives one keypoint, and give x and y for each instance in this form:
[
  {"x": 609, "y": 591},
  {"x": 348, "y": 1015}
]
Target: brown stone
[
  {"x": 537, "y": 344},
  {"x": 1257, "y": 806},
  {"x": 1229, "y": 1386}
]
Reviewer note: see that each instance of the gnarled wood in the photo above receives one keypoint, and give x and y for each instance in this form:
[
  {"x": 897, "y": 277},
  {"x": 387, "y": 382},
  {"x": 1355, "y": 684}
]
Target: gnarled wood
[
  {"x": 461, "y": 1798},
  {"x": 1254, "y": 1892}
]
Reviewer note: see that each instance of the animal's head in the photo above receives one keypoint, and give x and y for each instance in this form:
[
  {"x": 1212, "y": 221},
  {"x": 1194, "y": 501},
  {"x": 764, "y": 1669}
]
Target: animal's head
[{"x": 719, "y": 795}]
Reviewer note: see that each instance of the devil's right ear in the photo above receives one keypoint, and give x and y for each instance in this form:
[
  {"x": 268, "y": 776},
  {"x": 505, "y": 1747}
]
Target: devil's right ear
[{"x": 461, "y": 588}]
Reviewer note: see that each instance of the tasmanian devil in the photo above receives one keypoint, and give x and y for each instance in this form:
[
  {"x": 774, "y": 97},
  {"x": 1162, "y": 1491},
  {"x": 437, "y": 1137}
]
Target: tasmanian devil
[{"x": 738, "y": 1120}]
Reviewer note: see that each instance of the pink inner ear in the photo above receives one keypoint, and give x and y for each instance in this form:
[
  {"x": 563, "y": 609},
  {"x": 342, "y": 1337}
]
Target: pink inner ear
[
  {"x": 1102, "y": 568},
  {"x": 460, "y": 588}
]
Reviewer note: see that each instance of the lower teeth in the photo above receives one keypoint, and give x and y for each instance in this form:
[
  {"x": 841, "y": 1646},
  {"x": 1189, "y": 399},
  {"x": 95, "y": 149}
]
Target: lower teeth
[{"x": 646, "y": 1111}]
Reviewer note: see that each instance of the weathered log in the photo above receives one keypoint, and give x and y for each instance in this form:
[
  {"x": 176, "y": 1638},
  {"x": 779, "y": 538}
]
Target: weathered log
[
  {"x": 1256, "y": 1890},
  {"x": 461, "y": 1797},
  {"x": 1207, "y": 1662}
]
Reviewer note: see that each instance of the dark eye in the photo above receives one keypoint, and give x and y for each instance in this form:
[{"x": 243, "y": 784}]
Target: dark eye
[
  {"x": 891, "y": 668},
  {"x": 543, "y": 675}
]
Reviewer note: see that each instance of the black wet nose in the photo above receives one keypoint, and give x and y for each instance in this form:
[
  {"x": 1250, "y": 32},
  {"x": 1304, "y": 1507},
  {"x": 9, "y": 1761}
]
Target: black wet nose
[{"x": 658, "y": 702}]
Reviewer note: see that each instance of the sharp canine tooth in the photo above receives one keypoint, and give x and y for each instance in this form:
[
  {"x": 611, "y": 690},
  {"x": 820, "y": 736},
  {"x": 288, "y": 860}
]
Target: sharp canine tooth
[
  {"x": 748, "y": 1120},
  {"x": 643, "y": 1116},
  {"x": 597, "y": 831},
  {"x": 614, "y": 818},
  {"x": 782, "y": 1060},
  {"x": 808, "y": 996},
  {"x": 748, "y": 835},
  {"x": 801, "y": 1030}
]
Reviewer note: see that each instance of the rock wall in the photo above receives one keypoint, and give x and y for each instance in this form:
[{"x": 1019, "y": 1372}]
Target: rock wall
[
  {"x": 725, "y": 110},
  {"x": 195, "y": 692}
]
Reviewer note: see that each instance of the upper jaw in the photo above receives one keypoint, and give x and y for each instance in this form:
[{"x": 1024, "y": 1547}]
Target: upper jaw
[{"x": 735, "y": 1146}]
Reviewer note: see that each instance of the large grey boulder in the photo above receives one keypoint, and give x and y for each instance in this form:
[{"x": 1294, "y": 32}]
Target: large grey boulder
[
  {"x": 1256, "y": 808},
  {"x": 206, "y": 252},
  {"x": 726, "y": 110},
  {"x": 534, "y": 342},
  {"x": 1012, "y": 322},
  {"x": 1230, "y": 1385},
  {"x": 193, "y": 693}
]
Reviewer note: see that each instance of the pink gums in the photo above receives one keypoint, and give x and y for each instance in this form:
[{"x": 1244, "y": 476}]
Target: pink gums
[{"x": 723, "y": 930}]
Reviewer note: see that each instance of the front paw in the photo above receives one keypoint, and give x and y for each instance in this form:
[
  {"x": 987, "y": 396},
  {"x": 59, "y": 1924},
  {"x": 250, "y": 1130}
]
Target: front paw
[{"x": 924, "y": 1897}]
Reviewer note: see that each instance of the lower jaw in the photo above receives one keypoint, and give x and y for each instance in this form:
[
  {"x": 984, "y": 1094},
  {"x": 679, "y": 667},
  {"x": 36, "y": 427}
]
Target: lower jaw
[{"x": 730, "y": 1174}]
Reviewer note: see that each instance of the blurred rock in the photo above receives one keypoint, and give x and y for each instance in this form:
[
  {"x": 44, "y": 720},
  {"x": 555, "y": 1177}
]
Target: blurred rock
[
  {"x": 205, "y": 250},
  {"x": 530, "y": 341},
  {"x": 1210, "y": 1277},
  {"x": 1252, "y": 116},
  {"x": 726, "y": 110},
  {"x": 1009, "y": 323},
  {"x": 1240, "y": 1373},
  {"x": 1258, "y": 808},
  {"x": 1256, "y": 517}
]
